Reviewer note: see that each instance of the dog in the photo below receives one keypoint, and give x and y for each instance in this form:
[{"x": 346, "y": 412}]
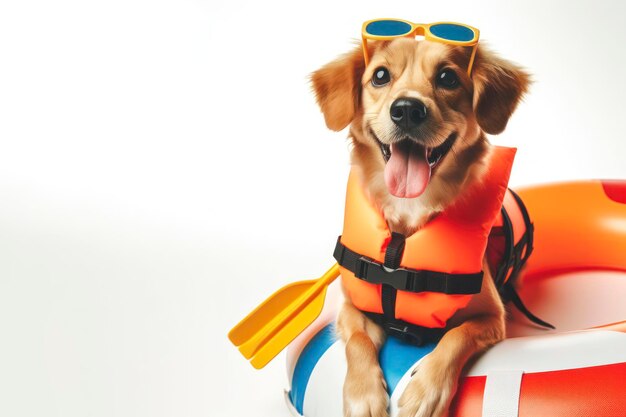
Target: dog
[{"x": 415, "y": 102}]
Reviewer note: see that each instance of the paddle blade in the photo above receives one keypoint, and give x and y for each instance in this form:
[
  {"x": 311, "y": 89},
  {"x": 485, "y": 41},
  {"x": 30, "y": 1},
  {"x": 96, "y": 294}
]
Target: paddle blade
[
  {"x": 280, "y": 318},
  {"x": 259, "y": 318},
  {"x": 289, "y": 331}
]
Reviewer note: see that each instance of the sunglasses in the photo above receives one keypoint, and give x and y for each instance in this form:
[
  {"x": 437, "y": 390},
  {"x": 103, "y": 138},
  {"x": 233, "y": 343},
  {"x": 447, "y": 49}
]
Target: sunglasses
[{"x": 446, "y": 32}]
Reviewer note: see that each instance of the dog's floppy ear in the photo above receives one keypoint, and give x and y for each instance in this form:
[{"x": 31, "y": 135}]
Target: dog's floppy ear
[
  {"x": 337, "y": 87},
  {"x": 498, "y": 87}
]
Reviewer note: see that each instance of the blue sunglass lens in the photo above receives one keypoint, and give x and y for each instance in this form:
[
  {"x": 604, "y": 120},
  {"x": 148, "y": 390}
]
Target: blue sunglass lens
[
  {"x": 452, "y": 32},
  {"x": 388, "y": 28}
]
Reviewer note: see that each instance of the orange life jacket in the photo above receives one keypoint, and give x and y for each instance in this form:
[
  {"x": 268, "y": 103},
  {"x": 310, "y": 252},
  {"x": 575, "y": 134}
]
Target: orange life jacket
[{"x": 422, "y": 280}]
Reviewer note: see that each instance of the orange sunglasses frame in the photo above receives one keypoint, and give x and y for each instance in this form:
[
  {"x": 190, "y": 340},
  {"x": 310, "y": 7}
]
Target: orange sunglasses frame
[{"x": 421, "y": 29}]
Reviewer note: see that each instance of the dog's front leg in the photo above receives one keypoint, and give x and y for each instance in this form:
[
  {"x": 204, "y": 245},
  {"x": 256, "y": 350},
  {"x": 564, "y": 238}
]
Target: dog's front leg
[
  {"x": 432, "y": 387},
  {"x": 364, "y": 389},
  {"x": 480, "y": 325}
]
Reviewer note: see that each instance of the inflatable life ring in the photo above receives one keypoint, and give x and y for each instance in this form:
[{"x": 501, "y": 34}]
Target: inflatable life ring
[{"x": 576, "y": 279}]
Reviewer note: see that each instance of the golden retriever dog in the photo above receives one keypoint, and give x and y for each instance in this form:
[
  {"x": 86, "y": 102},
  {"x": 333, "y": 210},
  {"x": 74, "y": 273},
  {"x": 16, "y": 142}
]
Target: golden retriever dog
[{"x": 418, "y": 124}]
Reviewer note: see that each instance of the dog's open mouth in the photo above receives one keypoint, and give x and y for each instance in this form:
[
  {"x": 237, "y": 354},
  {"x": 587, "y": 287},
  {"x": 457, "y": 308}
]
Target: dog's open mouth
[{"x": 408, "y": 165}]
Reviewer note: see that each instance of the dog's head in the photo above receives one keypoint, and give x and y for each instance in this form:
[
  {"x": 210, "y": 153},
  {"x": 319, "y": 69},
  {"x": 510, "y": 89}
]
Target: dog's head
[{"x": 417, "y": 120}]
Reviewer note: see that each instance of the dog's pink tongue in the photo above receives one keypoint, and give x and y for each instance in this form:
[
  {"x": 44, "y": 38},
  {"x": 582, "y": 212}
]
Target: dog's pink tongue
[{"x": 407, "y": 172}]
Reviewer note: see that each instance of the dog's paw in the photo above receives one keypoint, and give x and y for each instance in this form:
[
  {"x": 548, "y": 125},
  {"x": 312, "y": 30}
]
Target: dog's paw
[
  {"x": 429, "y": 393},
  {"x": 365, "y": 394}
]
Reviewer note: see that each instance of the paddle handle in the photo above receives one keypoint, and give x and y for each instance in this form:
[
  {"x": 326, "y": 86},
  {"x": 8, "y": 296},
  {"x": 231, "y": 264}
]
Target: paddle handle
[
  {"x": 329, "y": 276},
  {"x": 319, "y": 285}
]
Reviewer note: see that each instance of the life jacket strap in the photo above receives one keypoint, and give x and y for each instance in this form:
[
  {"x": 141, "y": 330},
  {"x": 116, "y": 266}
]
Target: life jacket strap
[
  {"x": 516, "y": 255},
  {"x": 509, "y": 293},
  {"x": 410, "y": 333},
  {"x": 405, "y": 279},
  {"x": 393, "y": 257}
]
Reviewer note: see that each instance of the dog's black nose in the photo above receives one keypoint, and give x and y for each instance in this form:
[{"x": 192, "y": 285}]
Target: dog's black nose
[{"x": 408, "y": 113}]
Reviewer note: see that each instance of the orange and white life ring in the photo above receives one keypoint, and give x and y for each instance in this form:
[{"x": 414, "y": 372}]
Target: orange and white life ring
[{"x": 575, "y": 279}]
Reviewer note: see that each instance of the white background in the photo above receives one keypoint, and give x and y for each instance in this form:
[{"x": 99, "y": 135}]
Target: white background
[{"x": 163, "y": 168}]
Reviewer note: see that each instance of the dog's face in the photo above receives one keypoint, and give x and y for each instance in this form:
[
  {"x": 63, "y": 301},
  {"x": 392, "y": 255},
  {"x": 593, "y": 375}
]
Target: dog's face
[
  {"x": 416, "y": 105},
  {"x": 417, "y": 119}
]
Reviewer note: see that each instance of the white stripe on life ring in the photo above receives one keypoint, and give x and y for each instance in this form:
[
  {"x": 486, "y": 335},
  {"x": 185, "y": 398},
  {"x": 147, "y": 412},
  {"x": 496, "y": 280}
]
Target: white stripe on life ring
[{"x": 502, "y": 392}]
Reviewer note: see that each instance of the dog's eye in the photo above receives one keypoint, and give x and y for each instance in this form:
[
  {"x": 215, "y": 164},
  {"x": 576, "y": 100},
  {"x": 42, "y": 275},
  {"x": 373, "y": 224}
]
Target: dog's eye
[
  {"x": 447, "y": 78},
  {"x": 381, "y": 77}
]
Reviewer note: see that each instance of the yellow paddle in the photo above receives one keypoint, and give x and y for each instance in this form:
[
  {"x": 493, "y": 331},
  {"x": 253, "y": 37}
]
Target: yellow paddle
[{"x": 265, "y": 332}]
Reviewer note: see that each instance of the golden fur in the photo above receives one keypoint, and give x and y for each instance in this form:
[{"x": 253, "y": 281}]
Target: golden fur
[{"x": 480, "y": 104}]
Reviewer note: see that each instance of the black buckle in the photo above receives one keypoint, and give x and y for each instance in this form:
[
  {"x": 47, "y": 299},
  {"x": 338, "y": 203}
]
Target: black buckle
[
  {"x": 404, "y": 333},
  {"x": 416, "y": 281},
  {"x": 407, "y": 332},
  {"x": 375, "y": 273}
]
